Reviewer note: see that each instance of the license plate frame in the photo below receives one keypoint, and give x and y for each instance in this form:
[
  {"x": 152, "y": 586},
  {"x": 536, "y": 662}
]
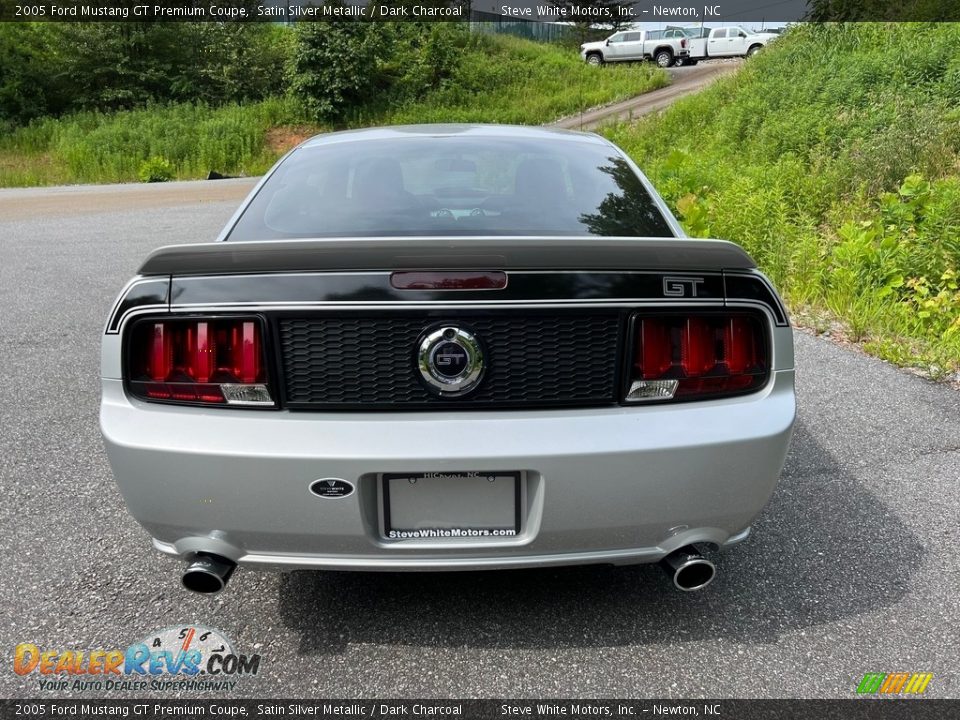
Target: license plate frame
[{"x": 395, "y": 510}]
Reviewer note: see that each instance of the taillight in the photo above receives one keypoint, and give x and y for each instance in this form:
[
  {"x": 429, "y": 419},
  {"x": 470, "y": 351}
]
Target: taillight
[
  {"x": 693, "y": 356},
  {"x": 217, "y": 361}
]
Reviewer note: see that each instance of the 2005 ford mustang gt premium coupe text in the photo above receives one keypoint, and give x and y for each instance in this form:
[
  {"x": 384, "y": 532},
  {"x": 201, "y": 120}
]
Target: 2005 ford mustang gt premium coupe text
[{"x": 448, "y": 348}]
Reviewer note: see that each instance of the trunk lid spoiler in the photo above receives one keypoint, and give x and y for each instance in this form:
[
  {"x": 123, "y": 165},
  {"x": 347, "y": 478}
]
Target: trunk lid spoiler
[{"x": 447, "y": 253}]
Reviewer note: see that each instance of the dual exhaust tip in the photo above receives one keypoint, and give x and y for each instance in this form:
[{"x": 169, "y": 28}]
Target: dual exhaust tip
[{"x": 686, "y": 567}]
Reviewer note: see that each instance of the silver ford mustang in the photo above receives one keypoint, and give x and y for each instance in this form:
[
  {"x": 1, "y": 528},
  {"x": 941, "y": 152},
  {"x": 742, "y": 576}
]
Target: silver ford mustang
[{"x": 448, "y": 348}]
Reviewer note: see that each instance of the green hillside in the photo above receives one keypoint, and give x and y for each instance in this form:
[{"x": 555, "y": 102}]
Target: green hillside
[
  {"x": 485, "y": 79},
  {"x": 834, "y": 158}
]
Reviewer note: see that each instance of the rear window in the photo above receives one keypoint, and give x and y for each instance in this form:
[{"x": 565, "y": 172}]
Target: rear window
[{"x": 452, "y": 186}]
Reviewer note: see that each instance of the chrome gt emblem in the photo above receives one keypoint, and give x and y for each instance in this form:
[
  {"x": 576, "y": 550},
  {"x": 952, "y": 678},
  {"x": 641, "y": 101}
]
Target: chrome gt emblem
[{"x": 450, "y": 361}]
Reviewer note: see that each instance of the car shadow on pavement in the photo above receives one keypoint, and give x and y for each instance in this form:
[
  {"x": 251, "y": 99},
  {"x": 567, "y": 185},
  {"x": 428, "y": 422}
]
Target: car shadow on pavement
[{"x": 824, "y": 549}]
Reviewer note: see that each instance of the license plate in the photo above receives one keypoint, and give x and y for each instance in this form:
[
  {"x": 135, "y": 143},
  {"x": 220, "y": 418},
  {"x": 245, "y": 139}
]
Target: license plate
[{"x": 461, "y": 505}]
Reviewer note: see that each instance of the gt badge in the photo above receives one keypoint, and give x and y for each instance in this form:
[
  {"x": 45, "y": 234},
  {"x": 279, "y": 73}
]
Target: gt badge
[
  {"x": 450, "y": 361},
  {"x": 677, "y": 286}
]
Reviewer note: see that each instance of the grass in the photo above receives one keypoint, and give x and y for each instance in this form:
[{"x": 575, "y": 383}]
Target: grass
[
  {"x": 497, "y": 79},
  {"x": 97, "y": 148},
  {"x": 834, "y": 158}
]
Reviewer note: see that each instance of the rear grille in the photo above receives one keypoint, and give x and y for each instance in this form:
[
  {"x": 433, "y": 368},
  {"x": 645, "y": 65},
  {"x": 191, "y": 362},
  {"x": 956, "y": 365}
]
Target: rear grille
[{"x": 531, "y": 359}]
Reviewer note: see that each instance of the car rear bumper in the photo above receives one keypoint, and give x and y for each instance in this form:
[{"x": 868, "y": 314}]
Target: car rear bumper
[{"x": 606, "y": 485}]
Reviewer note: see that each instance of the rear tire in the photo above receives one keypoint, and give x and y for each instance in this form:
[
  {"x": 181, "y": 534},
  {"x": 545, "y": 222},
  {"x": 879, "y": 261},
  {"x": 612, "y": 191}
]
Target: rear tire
[{"x": 663, "y": 58}]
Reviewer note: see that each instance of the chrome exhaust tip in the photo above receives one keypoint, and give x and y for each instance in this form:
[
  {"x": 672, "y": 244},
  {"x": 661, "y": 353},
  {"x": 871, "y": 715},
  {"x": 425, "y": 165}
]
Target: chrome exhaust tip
[
  {"x": 207, "y": 574},
  {"x": 688, "y": 569}
]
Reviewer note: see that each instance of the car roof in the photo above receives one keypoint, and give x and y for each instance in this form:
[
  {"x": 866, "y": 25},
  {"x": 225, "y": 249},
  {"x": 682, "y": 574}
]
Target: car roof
[{"x": 398, "y": 132}]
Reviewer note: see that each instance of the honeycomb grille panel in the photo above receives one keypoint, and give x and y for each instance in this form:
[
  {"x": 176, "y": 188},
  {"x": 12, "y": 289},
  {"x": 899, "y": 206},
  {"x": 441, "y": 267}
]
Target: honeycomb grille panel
[{"x": 530, "y": 359}]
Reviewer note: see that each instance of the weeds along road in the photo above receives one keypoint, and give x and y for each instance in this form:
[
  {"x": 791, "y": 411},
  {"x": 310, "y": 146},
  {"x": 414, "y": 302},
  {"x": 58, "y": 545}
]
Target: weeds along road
[{"x": 851, "y": 568}]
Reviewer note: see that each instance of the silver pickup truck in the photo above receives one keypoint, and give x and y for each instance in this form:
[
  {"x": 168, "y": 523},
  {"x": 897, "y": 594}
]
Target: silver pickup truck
[
  {"x": 725, "y": 42},
  {"x": 664, "y": 47}
]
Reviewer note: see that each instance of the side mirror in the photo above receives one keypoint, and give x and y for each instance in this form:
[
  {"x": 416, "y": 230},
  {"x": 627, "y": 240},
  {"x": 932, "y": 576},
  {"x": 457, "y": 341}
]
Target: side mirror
[{"x": 608, "y": 42}]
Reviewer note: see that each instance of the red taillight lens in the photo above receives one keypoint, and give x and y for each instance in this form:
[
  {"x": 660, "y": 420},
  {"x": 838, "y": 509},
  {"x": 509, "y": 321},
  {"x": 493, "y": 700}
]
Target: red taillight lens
[
  {"x": 655, "y": 355},
  {"x": 697, "y": 347},
  {"x": 216, "y": 361},
  {"x": 697, "y": 355},
  {"x": 740, "y": 347}
]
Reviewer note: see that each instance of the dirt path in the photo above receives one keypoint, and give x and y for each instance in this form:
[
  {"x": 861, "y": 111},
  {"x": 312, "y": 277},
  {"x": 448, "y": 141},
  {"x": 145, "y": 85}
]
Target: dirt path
[{"x": 686, "y": 80}]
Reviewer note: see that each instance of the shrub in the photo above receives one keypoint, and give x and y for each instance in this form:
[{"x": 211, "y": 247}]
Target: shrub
[
  {"x": 156, "y": 169},
  {"x": 335, "y": 65}
]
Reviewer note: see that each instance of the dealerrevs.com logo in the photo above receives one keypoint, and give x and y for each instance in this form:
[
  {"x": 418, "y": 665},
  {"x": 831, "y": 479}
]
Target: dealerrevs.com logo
[
  {"x": 898, "y": 683},
  {"x": 175, "y": 658}
]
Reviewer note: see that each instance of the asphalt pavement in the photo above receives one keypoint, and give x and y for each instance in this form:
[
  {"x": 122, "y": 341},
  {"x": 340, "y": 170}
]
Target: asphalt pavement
[{"x": 853, "y": 567}]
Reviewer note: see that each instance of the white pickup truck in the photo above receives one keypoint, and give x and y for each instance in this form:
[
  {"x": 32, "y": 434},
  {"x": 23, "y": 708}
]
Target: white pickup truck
[
  {"x": 726, "y": 42},
  {"x": 664, "y": 47}
]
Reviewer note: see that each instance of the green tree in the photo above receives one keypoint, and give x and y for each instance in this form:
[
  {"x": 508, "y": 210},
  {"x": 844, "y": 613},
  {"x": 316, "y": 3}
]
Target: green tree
[
  {"x": 880, "y": 10},
  {"x": 51, "y": 68},
  {"x": 112, "y": 66},
  {"x": 29, "y": 86},
  {"x": 240, "y": 61},
  {"x": 335, "y": 65}
]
